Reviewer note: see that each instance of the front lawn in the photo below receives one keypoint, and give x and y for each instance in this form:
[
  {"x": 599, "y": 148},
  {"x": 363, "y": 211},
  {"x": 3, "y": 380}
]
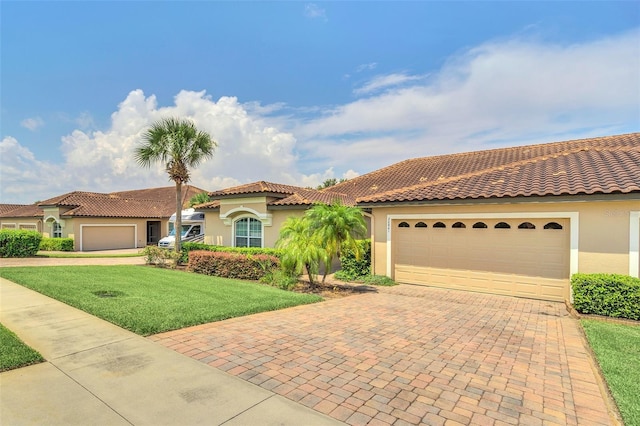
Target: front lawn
[
  {"x": 149, "y": 300},
  {"x": 14, "y": 353},
  {"x": 617, "y": 348}
]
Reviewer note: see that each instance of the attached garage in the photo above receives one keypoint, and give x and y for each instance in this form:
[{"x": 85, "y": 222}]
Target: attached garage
[
  {"x": 107, "y": 237},
  {"x": 523, "y": 256}
]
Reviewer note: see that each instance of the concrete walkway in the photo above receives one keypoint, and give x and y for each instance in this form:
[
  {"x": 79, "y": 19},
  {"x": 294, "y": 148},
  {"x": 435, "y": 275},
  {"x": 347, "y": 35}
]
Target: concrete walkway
[{"x": 97, "y": 373}]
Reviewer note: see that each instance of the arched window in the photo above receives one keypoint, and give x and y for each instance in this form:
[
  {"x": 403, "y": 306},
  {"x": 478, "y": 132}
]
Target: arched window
[
  {"x": 553, "y": 225},
  {"x": 403, "y": 225},
  {"x": 56, "y": 230},
  {"x": 248, "y": 232},
  {"x": 480, "y": 225},
  {"x": 502, "y": 225},
  {"x": 439, "y": 225},
  {"x": 458, "y": 225},
  {"x": 526, "y": 225},
  {"x": 421, "y": 225}
]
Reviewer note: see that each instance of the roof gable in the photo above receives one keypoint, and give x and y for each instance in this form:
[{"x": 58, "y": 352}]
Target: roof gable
[{"x": 260, "y": 187}]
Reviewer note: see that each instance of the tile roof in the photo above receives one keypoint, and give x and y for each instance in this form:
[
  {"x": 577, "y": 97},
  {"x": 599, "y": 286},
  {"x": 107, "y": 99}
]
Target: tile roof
[
  {"x": 287, "y": 195},
  {"x": 256, "y": 188},
  {"x": 586, "y": 166},
  {"x": 209, "y": 205},
  {"x": 20, "y": 210},
  {"x": 306, "y": 197},
  {"x": 142, "y": 203}
]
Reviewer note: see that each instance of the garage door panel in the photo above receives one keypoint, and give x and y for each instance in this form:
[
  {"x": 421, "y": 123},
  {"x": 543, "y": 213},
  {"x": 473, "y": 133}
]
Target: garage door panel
[
  {"x": 520, "y": 262},
  {"x": 108, "y": 237}
]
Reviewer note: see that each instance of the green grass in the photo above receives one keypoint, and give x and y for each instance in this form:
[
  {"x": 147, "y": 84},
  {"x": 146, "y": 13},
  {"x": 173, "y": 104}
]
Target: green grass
[
  {"x": 149, "y": 300},
  {"x": 75, "y": 255},
  {"x": 14, "y": 353},
  {"x": 617, "y": 348}
]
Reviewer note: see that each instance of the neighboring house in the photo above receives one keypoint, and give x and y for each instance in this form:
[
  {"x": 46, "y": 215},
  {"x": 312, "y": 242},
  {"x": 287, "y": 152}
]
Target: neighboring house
[
  {"x": 21, "y": 216},
  {"x": 97, "y": 221},
  {"x": 515, "y": 221},
  {"x": 251, "y": 215}
]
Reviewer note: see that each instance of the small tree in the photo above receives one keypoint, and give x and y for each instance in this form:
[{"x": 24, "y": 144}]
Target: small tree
[
  {"x": 330, "y": 182},
  {"x": 179, "y": 145},
  {"x": 302, "y": 248},
  {"x": 337, "y": 227},
  {"x": 200, "y": 198}
]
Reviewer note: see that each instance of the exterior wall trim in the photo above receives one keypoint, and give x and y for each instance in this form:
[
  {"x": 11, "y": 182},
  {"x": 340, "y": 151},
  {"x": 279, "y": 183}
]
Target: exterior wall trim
[
  {"x": 135, "y": 230},
  {"x": 572, "y": 216},
  {"x": 634, "y": 243},
  {"x": 265, "y": 218}
]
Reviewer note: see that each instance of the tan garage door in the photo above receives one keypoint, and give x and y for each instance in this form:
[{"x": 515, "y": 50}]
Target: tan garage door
[
  {"x": 108, "y": 237},
  {"x": 517, "y": 257}
]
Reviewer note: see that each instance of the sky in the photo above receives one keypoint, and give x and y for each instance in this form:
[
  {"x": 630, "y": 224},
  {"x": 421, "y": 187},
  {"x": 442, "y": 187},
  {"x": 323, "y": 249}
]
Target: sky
[{"x": 299, "y": 92}]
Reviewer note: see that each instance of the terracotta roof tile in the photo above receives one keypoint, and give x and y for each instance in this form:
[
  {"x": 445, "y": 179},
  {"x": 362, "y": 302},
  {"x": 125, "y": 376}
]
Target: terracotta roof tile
[
  {"x": 256, "y": 188},
  {"x": 598, "y": 165},
  {"x": 142, "y": 203},
  {"x": 307, "y": 197},
  {"x": 210, "y": 205},
  {"x": 20, "y": 210}
]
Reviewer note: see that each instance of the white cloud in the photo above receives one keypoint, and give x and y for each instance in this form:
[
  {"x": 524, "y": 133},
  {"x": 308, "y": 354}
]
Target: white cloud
[
  {"x": 366, "y": 67},
  {"x": 385, "y": 81},
  {"x": 499, "y": 93},
  {"x": 85, "y": 120},
  {"x": 250, "y": 147},
  {"x": 32, "y": 123},
  {"x": 312, "y": 10}
]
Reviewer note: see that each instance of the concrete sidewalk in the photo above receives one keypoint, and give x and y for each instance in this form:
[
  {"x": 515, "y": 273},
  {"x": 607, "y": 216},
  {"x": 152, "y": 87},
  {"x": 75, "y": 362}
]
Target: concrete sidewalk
[{"x": 97, "y": 373}]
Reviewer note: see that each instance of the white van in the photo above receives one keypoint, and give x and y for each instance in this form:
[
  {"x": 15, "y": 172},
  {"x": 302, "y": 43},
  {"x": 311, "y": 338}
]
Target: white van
[{"x": 192, "y": 229}]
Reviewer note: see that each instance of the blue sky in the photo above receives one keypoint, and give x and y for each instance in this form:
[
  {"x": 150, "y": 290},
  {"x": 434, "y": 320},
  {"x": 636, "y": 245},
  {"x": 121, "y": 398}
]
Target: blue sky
[{"x": 297, "y": 92}]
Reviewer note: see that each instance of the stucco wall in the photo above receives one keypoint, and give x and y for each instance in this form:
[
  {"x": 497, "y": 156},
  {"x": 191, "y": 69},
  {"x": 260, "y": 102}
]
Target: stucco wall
[
  {"x": 603, "y": 229},
  {"x": 21, "y": 223},
  {"x": 219, "y": 232}
]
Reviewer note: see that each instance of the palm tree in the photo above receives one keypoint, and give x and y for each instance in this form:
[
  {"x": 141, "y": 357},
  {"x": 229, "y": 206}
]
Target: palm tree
[
  {"x": 302, "y": 248},
  {"x": 179, "y": 145},
  {"x": 200, "y": 198},
  {"x": 338, "y": 227}
]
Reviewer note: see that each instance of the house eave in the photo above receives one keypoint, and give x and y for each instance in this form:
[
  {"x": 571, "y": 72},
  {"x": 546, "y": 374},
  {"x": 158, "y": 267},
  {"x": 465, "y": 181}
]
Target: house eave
[{"x": 631, "y": 196}]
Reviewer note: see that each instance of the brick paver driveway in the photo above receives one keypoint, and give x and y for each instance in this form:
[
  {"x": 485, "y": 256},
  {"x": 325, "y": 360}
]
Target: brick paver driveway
[{"x": 412, "y": 355}]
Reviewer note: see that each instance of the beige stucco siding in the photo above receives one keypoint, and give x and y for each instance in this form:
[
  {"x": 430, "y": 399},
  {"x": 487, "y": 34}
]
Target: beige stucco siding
[
  {"x": 220, "y": 231},
  {"x": 272, "y": 233},
  {"x": 602, "y": 235},
  {"x": 25, "y": 223}
]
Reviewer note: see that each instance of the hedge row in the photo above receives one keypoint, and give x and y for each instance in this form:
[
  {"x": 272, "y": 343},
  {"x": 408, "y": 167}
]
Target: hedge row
[
  {"x": 611, "y": 295},
  {"x": 56, "y": 244},
  {"x": 232, "y": 265},
  {"x": 189, "y": 247},
  {"x": 19, "y": 243},
  {"x": 352, "y": 268}
]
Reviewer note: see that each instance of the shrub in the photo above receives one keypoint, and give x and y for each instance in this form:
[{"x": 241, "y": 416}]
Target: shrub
[
  {"x": 281, "y": 279},
  {"x": 611, "y": 295},
  {"x": 161, "y": 257},
  {"x": 56, "y": 244},
  {"x": 189, "y": 247},
  {"x": 19, "y": 243},
  {"x": 351, "y": 267},
  {"x": 232, "y": 265}
]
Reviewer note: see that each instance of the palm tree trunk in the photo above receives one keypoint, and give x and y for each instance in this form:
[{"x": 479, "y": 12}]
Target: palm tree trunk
[{"x": 178, "y": 245}]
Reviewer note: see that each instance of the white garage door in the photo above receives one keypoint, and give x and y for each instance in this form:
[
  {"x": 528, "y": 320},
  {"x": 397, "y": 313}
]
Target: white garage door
[
  {"x": 517, "y": 257},
  {"x": 108, "y": 237}
]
